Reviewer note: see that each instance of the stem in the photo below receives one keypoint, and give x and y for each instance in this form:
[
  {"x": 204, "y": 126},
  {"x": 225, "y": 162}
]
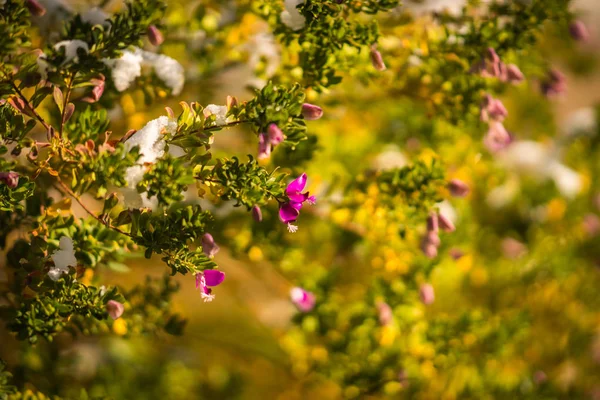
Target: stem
[
  {"x": 65, "y": 102},
  {"x": 32, "y": 109}
]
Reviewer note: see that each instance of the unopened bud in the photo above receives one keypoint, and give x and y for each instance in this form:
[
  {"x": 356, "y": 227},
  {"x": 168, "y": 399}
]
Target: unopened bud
[
  {"x": 35, "y": 8},
  {"x": 514, "y": 74},
  {"x": 458, "y": 188},
  {"x": 426, "y": 294},
  {"x": 114, "y": 309},
  {"x": 209, "y": 247},
  {"x": 579, "y": 31},
  {"x": 432, "y": 223},
  {"x": 429, "y": 250},
  {"x": 445, "y": 224},
  {"x": 155, "y": 36},
  {"x": 311, "y": 112},
  {"x": 10, "y": 179},
  {"x": 264, "y": 147},
  {"x": 257, "y": 213},
  {"x": 377, "y": 60}
]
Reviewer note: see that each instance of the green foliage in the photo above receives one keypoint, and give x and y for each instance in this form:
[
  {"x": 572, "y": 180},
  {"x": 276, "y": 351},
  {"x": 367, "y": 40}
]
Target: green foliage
[{"x": 166, "y": 180}]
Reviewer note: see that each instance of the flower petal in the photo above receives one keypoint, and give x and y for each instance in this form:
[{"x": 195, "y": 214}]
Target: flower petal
[
  {"x": 214, "y": 277},
  {"x": 297, "y": 185},
  {"x": 288, "y": 213}
]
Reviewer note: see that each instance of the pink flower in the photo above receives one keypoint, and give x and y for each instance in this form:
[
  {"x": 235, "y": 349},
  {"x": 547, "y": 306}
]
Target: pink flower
[
  {"x": 458, "y": 188},
  {"x": 275, "y": 134},
  {"x": 10, "y": 179},
  {"x": 497, "y": 137},
  {"x": 386, "y": 315},
  {"x": 492, "y": 109},
  {"x": 305, "y": 301},
  {"x": 35, "y": 8},
  {"x": 446, "y": 224},
  {"x": 555, "y": 84},
  {"x": 514, "y": 74},
  {"x": 264, "y": 147},
  {"x": 426, "y": 294},
  {"x": 206, "y": 279},
  {"x": 114, "y": 309},
  {"x": 97, "y": 91},
  {"x": 209, "y": 247},
  {"x": 289, "y": 211},
  {"x": 311, "y": 112}
]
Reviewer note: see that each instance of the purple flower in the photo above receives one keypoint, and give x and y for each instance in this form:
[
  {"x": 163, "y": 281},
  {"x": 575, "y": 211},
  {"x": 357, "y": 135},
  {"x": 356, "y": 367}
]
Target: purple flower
[
  {"x": 579, "y": 31},
  {"x": 114, "y": 309},
  {"x": 275, "y": 134},
  {"x": 264, "y": 147},
  {"x": 305, "y": 301},
  {"x": 376, "y": 59},
  {"x": 209, "y": 247},
  {"x": 458, "y": 188},
  {"x": 311, "y": 112},
  {"x": 492, "y": 109},
  {"x": 10, "y": 179},
  {"x": 289, "y": 211},
  {"x": 35, "y": 8},
  {"x": 386, "y": 315},
  {"x": 257, "y": 213},
  {"x": 207, "y": 279},
  {"x": 155, "y": 36},
  {"x": 426, "y": 294}
]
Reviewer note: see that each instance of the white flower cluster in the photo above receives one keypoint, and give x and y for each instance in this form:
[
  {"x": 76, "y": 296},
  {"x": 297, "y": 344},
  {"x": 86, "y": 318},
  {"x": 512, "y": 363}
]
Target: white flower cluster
[
  {"x": 220, "y": 112},
  {"x": 291, "y": 16},
  {"x": 71, "y": 54},
  {"x": 63, "y": 258},
  {"x": 151, "y": 144},
  {"x": 127, "y": 68},
  {"x": 263, "y": 47}
]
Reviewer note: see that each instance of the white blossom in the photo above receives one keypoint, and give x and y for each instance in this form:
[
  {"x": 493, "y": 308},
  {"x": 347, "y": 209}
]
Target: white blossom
[
  {"x": 63, "y": 258},
  {"x": 220, "y": 112},
  {"x": 42, "y": 65},
  {"x": 71, "y": 49},
  {"x": 542, "y": 162},
  {"x": 291, "y": 16},
  {"x": 151, "y": 145},
  {"x": 263, "y": 48},
  {"x": 167, "y": 69},
  {"x": 125, "y": 69},
  {"x": 96, "y": 16},
  {"x": 582, "y": 120}
]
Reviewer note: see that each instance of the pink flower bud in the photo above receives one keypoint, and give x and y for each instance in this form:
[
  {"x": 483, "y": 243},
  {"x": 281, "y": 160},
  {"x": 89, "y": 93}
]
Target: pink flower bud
[
  {"x": 275, "y": 134},
  {"x": 429, "y": 250},
  {"x": 35, "y": 8},
  {"x": 377, "y": 60},
  {"x": 492, "y": 56},
  {"x": 432, "y": 223},
  {"x": 264, "y": 147},
  {"x": 155, "y": 36},
  {"x": 10, "y": 179},
  {"x": 456, "y": 253},
  {"x": 257, "y": 213},
  {"x": 446, "y": 224},
  {"x": 114, "y": 309},
  {"x": 433, "y": 238},
  {"x": 386, "y": 315},
  {"x": 579, "y": 31},
  {"x": 493, "y": 109},
  {"x": 305, "y": 301},
  {"x": 555, "y": 84},
  {"x": 311, "y": 112},
  {"x": 514, "y": 74},
  {"x": 209, "y": 247},
  {"x": 426, "y": 294},
  {"x": 458, "y": 188},
  {"x": 497, "y": 137}
]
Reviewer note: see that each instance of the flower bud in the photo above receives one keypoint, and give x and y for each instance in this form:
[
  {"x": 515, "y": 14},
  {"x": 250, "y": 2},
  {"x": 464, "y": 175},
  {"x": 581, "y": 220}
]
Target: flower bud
[
  {"x": 386, "y": 315},
  {"x": 264, "y": 147},
  {"x": 433, "y": 238},
  {"x": 458, "y": 188},
  {"x": 209, "y": 247},
  {"x": 456, "y": 253},
  {"x": 35, "y": 8},
  {"x": 555, "y": 84},
  {"x": 492, "y": 56},
  {"x": 311, "y": 112},
  {"x": 497, "y": 137},
  {"x": 10, "y": 179},
  {"x": 114, "y": 309},
  {"x": 426, "y": 294},
  {"x": 432, "y": 223},
  {"x": 257, "y": 213},
  {"x": 512, "y": 248},
  {"x": 493, "y": 109},
  {"x": 429, "y": 249},
  {"x": 377, "y": 60},
  {"x": 514, "y": 74},
  {"x": 446, "y": 224},
  {"x": 155, "y": 36},
  {"x": 275, "y": 134},
  {"x": 579, "y": 31},
  {"x": 305, "y": 301}
]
